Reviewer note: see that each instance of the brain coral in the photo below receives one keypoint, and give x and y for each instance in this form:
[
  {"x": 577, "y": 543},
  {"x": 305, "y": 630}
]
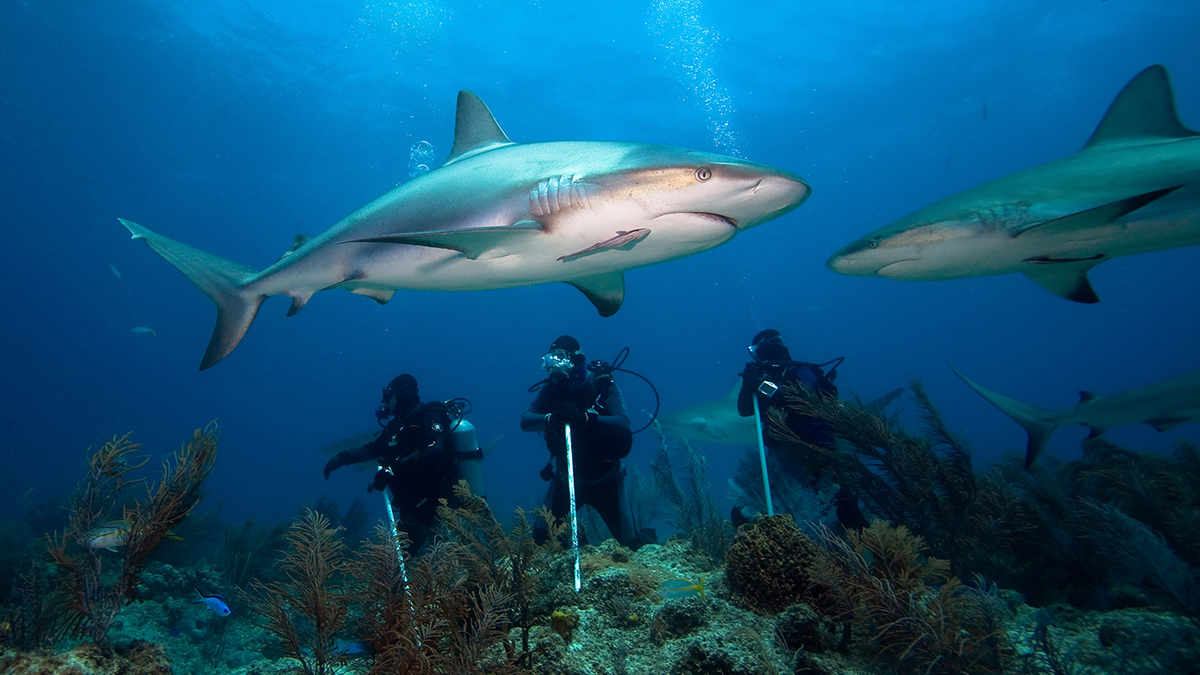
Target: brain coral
[{"x": 767, "y": 565}]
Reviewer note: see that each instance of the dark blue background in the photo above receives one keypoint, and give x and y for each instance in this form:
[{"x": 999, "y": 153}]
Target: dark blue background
[{"x": 231, "y": 126}]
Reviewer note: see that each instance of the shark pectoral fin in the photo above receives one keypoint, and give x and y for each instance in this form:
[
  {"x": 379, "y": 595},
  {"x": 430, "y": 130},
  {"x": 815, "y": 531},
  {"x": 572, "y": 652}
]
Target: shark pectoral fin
[
  {"x": 475, "y": 128},
  {"x": 1093, "y": 217},
  {"x": 1066, "y": 279},
  {"x": 606, "y": 291},
  {"x": 378, "y": 295},
  {"x": 1165, "y": 423},
  {"x": 480, "y": 243}
]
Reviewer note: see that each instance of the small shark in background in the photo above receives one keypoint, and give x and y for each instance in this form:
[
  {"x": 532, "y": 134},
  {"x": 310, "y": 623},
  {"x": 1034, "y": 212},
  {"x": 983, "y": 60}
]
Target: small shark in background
[
  {"x": 500, "y": 214},
  {"x": 719, "y": 422},
  {"x": 1133, "y": 188},
  {"x": 1163, "y": 405}
]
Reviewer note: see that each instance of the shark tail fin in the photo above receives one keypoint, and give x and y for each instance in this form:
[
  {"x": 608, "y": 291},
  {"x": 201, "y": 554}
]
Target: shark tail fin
[
  {"x": 1038, "y": 423},
  {"x": 224, "y": 283}
]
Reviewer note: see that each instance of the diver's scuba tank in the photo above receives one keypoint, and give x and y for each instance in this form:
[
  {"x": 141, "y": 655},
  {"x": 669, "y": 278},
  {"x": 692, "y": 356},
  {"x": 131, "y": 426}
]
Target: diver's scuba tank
[{"x": 468, "y": 456}]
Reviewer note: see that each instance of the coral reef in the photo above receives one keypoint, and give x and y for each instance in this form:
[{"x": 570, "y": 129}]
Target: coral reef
[
  {"x": 89, "y": 596},
  {"x": 768, "y": 565},
  {"x": 915, "y": 618}
]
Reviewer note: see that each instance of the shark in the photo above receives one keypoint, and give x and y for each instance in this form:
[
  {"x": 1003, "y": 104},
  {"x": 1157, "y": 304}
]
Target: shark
[
  {"x": 499, "y": 214},
  {"x": 719, "y": 422},
  {"x": 1133, "y": 188},
  {"x": 1163, "y": 405}
]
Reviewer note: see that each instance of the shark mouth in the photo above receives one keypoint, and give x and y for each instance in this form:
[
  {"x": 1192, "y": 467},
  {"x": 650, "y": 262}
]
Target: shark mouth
[
  {"x": 716, "y": 216},
  {"x": 890, "y": 268}
]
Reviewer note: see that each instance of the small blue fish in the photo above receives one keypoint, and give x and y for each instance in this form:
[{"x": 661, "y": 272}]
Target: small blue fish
[
  {"x": 214, "y": 602},
  {"x": 682, "y": 588}
]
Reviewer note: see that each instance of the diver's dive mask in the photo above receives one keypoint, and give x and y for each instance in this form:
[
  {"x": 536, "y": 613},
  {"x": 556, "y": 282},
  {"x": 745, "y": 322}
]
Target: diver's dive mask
[{"x": 558, "y": 361}]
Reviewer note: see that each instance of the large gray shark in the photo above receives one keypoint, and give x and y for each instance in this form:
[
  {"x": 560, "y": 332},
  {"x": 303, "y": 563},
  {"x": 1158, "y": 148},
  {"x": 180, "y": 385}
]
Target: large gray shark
[
  {"x": 500, "y": 214},
  {"x": 1133, "y": 188},
  {"x": 719, "y": 421},
  {"x": 1162, "y": 405}
]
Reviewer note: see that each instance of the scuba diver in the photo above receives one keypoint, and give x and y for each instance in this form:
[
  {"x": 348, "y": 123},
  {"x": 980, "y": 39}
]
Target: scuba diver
[
  {"x": 771, "y": 371},
  {"x": 592, "y": 404},
  {"x": 422, "y": 452}
]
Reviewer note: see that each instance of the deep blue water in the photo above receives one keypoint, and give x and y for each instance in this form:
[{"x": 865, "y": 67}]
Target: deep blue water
[{"x": 232, "y": 125}]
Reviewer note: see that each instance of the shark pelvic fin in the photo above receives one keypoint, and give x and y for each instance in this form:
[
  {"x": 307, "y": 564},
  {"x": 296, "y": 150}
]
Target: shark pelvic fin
[
  {"x": 606, "y": 291},
  {"x": 479, "y": 243},
  {"x": 224, "y": 283},
  {"x": 1145, "y": 108},
  {"x": 475, "y": 129},
  {"x": 1067, "y": 280},
  {"x": 1038, "y": 423},
  {"x": 1093, "y": 217},
  {"x": 378, "y": 295}
]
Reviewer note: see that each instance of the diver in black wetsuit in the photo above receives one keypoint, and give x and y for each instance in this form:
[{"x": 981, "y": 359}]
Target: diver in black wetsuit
[
  {"x": 592, "y": 404},
  {"x": 771, "y": 371},
  {"x": 420, "y": 453}
]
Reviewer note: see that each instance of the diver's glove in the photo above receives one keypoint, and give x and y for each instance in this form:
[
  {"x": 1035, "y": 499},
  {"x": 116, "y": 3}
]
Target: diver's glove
[
  {"x": 547, "y": 472},
  {"x": 339, "y": 460},
  {"x": 752, "y": 372},
  {"x": 567, "y": 413},
  {"x": 380, "y": 481}
]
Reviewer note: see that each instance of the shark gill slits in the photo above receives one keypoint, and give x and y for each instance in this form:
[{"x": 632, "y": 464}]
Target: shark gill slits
[
  {"x": 558, "y": 193},
  {"x": 703, "y": 174}
]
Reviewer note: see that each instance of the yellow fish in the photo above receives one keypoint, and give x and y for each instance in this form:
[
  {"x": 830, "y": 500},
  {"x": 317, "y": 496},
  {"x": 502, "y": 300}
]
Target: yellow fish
[{"x": 682, "y": 588}]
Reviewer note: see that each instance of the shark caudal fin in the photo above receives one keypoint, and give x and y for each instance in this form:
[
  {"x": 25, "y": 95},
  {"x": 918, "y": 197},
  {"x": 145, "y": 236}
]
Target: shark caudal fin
[
  {"x": 221, "y": 280},
  {"x": 1038, "y": 423}
]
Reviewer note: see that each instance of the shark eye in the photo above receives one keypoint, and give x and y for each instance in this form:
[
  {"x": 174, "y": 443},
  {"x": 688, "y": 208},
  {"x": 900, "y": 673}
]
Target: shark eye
[
  {"x": 874, "y": 243},
  {"x": 703, "y": 174}
]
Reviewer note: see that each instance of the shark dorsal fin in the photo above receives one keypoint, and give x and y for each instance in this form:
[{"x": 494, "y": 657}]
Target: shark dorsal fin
[
  {"x": 1144, "y": 108},
  {"x": 733, "y": 393},
  {"x": 475, "y": 128}
]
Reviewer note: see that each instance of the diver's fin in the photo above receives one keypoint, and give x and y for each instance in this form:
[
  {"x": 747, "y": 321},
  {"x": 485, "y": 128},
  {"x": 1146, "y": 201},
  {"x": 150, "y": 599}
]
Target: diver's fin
[
  {"x": 1066, "y": 279},
  {"x": 623, "y": 240},
  {"x": 479, "y": 243},
  {"x": 1038, "y": 423},
  {"x": 1092, "y": 218},
  {"x": 605, "y": 290},
  {"x": 224, "y": 283},
  {"x": 1145, "y": 108},
  {"x": 475, "y": 129}
]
